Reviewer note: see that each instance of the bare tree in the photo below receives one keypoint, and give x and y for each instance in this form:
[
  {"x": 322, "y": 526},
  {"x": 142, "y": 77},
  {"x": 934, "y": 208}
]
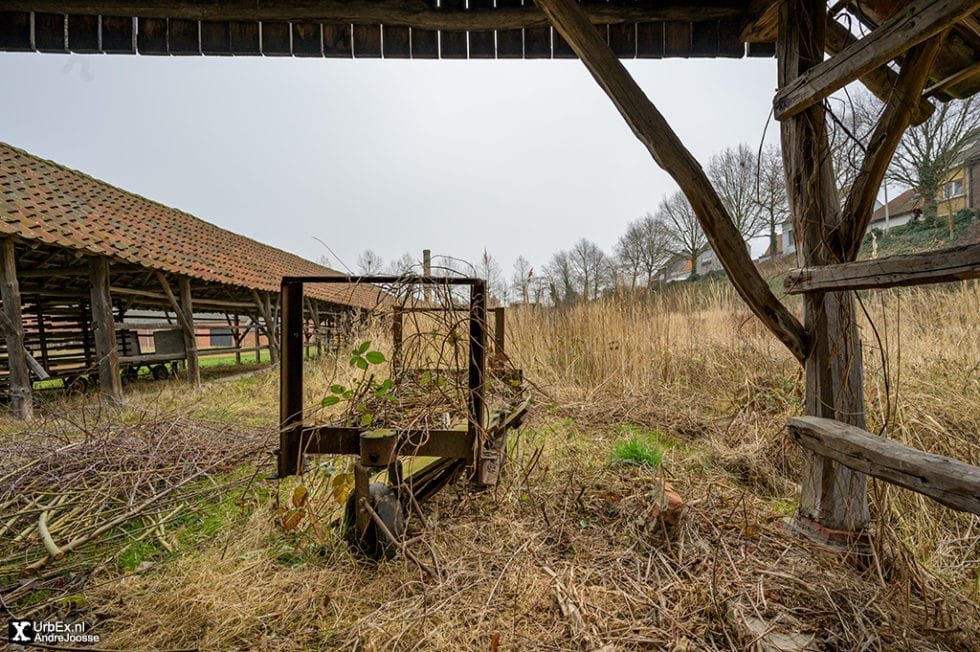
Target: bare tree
[
  {"x": 489, "y": 270},
  {"x": 404, "y": 265},
  {"x": 370, "y": 263},
  {"x": 684, "y": 233},
  {"x": 590, "y": 266},
  {"x": 643, "y": 249},
  {"x": 930, "y": 152},
  {"x": 522, "y": 279},
  {"x": 733, "y": 175},
  {"x": 770, "y": 194},
  {"x": 561, "y": 279}
]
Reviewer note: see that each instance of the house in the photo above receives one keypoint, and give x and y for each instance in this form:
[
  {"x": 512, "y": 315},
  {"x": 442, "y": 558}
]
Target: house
[{"x": 904, "y": 208}]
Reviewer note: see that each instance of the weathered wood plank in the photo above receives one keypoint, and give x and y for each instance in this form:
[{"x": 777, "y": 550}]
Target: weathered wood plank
[
  {"x": 942, "y": 266},
  {"x": 951, "y": 482},
  {"x": 21, "y": 388},
  {"x": 117, "y": 35},
  {"x": 307, "y": 39},
  {"x": 880, "y": 81},
  {"x": 83, "y": 34},
  {"x": 655, "y": 133},
  {"x": 15, "y": 30},
  {"x": 151, "y": 36},
  {"x": 103, "y": 325},
  {"x": 408, "y": 13},
  {"x": 919, "y": 20}
]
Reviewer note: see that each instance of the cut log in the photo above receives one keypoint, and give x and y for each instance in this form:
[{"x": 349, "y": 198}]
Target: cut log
[
  {"x": 919, "y": 20},
  {"x": 950, "y": 482},
  {"x": 945, "y": 265}
]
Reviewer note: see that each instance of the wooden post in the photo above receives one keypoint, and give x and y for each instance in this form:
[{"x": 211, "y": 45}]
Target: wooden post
[
  {"x": 190, "y": 337},
  {"x": 264, "y": 305},
  {"x": 238, "y": 339},
  {"x": 833, "y": 496},
  {"x": 104, "y": 329},
  {"x": 21, "y": 387}
]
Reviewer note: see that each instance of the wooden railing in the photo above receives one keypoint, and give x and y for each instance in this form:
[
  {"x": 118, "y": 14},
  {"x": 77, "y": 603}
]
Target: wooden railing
[{"x": 948, "y": 481}]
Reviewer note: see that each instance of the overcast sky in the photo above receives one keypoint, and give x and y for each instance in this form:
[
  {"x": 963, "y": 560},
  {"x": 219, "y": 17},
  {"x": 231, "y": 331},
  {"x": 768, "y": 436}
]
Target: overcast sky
[{"x": 518, "y": 157}]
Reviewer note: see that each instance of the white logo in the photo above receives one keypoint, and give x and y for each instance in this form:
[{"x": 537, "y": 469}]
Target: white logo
[{"x": 20, "y": 631}]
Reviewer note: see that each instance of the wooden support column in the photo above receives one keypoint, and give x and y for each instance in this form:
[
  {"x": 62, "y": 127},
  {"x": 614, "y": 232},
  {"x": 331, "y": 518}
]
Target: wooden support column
[
  {"x": 237, "y": 327},
  {"x": 184, "y": 310},
  {"x": 104, "y": 329},
  {"x": 833, "y": 496},
  {"x": 190, "y": 336},
  {"x": 21, "y": 387},
  {"x": 269, "y": 324}
]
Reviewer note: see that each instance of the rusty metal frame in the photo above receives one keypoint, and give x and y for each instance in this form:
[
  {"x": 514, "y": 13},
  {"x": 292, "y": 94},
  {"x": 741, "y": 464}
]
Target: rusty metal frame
[{"x": 295, "y": 440}]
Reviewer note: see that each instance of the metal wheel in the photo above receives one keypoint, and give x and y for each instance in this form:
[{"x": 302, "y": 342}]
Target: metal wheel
[
  {"x": 374, "y": 543},
  {"x": 160, "y": 372}
]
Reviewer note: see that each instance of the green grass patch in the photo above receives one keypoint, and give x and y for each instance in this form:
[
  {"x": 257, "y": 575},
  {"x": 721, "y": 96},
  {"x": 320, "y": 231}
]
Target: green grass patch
[{"x": 639, "y": 448}]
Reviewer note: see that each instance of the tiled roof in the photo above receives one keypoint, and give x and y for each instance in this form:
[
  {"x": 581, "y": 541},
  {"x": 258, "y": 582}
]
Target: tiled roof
[
  {"x": 905, "y": 203},
  {"x": 49, "y": 203}
]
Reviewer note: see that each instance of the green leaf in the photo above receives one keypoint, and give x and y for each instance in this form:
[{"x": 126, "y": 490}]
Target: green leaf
[
  {"x": 362, "y": 349},
  {"x": 387, "y": 384},
  {"x": 375, "y": 357},
  {"x": 348, "y": 393},
  {"x": 360, "y": 363},
  {"x": 366, "y": 419},
  {"x": 330, "y": 400},
  {"x": 337, "y": 389}
]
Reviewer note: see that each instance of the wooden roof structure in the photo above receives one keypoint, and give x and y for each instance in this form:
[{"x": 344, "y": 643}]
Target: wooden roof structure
[
  {"x": 64, "y": 213},
  {"x": 907, "y": 52},
  {"x": 449, "y": 29}
]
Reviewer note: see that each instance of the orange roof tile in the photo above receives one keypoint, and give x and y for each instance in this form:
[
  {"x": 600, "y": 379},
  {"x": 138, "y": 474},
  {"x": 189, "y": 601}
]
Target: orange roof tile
[{"x": 46, "y": 202}]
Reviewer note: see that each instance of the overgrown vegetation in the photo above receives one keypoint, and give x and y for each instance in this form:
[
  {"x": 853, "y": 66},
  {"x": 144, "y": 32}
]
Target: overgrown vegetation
[{"x": 567, "y": 552}]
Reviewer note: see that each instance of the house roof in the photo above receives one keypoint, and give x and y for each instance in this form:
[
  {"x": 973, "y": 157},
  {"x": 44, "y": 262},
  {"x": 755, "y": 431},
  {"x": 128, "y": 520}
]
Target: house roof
[
  {"x": 904, "y": 204},
  {"x": 437, "y": 29},
  {"x": 41, "y": 201}
]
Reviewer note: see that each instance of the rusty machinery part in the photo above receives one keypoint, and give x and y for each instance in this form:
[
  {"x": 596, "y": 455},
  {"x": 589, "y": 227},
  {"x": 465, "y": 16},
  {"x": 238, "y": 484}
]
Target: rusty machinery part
[
  {"x": 160, "y": 372},
  {"x": 373, "y": 542},
  {"x": 131, "y": 373}
]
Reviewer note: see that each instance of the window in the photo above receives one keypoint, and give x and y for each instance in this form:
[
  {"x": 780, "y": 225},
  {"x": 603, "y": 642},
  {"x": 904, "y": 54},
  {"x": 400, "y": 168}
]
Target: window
[
  {"x": 953, "y": 189},
  {"x": 221, "y": 337}
]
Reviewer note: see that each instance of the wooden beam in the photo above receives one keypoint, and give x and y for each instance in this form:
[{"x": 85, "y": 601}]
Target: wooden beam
[
  {"x": 967, "y": 73},
  {"x": 880, "y": 81},
  {"x": 268, "y": 324},
  {"x": 894, "y": 120},
  {"x": 190, "y": 335},
  {"x": 21, "y": 387},
  {"x": 919, "y": 20},
  {"x": 943, "y": 266},
  {"x": 667, "y": 150},
  {"x": 418, "y": 14},
  {"x": 200, "y": 301},
  {"x": 103, "y": 326},
  {"x": 832, "y": 495},
  {"x": 945, "y": 480},
  {"x": 760, "y": 21}
]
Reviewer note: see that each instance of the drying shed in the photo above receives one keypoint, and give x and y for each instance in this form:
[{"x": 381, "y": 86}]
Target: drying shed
[
  {"x": 79, "y": 258},
  {"x": 907, "y": 52}
]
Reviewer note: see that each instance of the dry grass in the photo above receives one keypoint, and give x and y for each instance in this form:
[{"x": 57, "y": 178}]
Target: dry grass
[{"x": 565, "y": 554}]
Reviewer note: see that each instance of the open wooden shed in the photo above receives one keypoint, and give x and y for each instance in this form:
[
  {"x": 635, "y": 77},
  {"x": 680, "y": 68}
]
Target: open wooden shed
[
  {"x": 907, "y": 52},
  {"x": 84, "y": 266}
]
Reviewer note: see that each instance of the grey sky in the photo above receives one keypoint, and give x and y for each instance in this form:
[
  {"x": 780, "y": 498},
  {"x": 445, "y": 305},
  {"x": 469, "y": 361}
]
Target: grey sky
[{"x": 520, "y": 157}]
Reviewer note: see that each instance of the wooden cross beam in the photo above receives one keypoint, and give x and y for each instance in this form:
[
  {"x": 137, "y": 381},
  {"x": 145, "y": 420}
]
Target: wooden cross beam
[
  {"x": 919, "y": 20},
  {"x": 653, "y": 131}
]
